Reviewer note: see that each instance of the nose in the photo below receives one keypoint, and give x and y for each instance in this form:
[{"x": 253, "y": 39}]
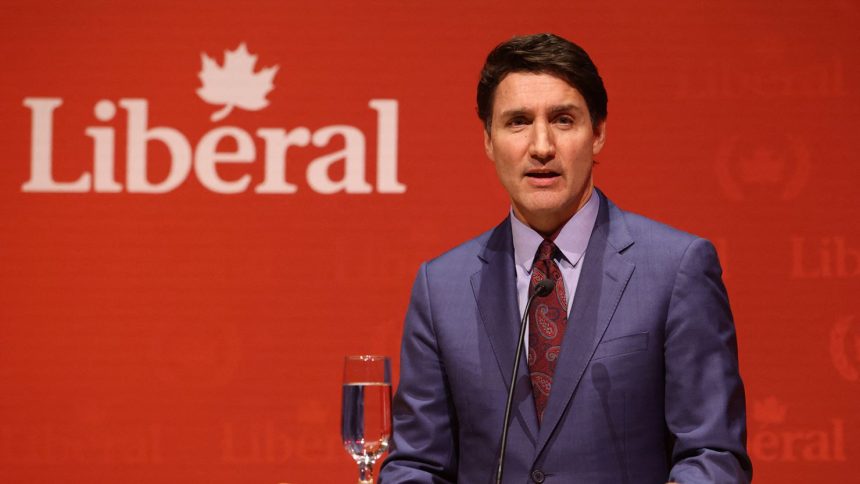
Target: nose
[{"x": 542, "y": 147}]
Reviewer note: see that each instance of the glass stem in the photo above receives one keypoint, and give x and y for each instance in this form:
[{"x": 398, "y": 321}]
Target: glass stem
[{"x": 365, "y": 473}]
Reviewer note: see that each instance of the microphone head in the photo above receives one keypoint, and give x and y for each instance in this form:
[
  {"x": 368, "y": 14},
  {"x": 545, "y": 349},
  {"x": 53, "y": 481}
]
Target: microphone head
[{"x": 544, "y": 287}]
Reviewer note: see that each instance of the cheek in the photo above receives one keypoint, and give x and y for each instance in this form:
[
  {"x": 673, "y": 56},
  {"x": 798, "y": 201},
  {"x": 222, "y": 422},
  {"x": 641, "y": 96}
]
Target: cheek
[
  {"x": 502, "y": 158},
  {"x": 505, "y": 172}
]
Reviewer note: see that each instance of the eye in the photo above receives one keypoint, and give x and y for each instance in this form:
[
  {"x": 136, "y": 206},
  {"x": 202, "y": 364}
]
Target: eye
[
  {"x": 518, "y": 121},
  {"x": 565, "y": 120}
]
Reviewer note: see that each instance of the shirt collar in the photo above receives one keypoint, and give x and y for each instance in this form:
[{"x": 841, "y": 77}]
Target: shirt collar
[{"x": 571, "y": 240}]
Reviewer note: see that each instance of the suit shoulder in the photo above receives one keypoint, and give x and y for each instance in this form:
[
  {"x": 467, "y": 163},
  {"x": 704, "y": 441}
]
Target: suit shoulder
[
  {"x": 462, "y": 256},
  {"x": 661, "y": 252},
  {"x": 640, "y": 226},
  {"x": 657, "y": 238}
]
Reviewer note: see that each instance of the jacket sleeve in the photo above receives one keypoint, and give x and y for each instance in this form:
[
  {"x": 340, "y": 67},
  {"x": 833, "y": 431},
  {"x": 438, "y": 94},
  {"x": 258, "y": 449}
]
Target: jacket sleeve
[
  {"x": 424, "y": 440},
  {"x": 704, "y": 405}
]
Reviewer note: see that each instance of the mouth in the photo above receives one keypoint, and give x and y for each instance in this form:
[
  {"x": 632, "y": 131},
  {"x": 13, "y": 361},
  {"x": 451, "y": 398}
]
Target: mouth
[
  {"x": 543, "y": 174},
  {"x": 543, "y": 179}
]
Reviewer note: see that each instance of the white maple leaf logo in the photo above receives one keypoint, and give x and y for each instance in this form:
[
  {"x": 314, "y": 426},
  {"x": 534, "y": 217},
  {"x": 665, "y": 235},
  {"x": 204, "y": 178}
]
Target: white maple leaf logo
[{"x": 235, "y": 84}]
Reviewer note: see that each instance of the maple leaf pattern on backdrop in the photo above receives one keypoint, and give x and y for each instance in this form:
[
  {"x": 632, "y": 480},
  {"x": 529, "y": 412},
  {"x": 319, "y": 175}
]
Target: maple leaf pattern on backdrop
[
  {"x": 769, "y": 411},
  {"x": 235, "y": 84}
]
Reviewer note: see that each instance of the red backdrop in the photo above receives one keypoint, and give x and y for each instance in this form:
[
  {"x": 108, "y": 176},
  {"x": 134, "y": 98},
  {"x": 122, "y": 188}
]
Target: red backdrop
[{"x": 184, "y": 336}]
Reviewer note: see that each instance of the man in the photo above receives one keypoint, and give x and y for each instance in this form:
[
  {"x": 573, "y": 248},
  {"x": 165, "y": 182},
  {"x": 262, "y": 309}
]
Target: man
[{"x": 639, "y": 384}]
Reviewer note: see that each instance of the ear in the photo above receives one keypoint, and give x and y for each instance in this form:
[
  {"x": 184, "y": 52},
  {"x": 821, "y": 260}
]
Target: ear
[
  {"x": 599, "y": 138},
  {"x": 488, "y": 144}
]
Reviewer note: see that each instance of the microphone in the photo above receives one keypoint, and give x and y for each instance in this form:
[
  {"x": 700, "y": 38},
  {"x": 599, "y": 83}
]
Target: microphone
[{"x": 542, "y": 288}]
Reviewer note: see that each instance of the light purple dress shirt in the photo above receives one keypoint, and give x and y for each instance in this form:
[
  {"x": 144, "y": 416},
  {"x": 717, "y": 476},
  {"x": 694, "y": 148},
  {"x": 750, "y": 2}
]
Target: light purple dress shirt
[{"x": 572, "y": 240}]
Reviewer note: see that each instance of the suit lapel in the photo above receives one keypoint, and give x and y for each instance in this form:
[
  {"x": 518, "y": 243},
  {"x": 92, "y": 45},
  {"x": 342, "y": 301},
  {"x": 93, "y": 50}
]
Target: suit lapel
[
  {"x": 602, "y": 281},
  {"x": 495, "y": 291}
]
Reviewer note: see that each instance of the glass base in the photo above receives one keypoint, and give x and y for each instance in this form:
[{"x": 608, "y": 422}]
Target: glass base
[{"x": 365, "y": 473}]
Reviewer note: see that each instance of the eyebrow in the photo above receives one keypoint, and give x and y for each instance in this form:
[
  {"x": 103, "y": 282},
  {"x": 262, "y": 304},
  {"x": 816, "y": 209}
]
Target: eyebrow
[
  {"x": 565, "y": 107},
  {"x": 510, "y": 113}
]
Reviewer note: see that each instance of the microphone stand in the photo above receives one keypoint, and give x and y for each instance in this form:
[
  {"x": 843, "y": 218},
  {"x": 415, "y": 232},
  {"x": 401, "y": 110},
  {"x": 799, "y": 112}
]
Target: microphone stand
[{"x": 542, "y": 288}]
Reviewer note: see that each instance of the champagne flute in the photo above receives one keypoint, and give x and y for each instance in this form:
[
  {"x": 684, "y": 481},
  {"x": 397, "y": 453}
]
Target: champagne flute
[{"x": 366, "y": 411}]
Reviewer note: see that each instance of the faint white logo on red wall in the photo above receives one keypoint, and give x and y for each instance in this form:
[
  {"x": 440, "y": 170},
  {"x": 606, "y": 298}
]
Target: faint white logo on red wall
[
  {"x": 767, "y": 70},
  {"x": 845, "y": 348},
  {"x": 778, "y": 170},
  {"x": 296, "y": 437},
  {"x": 834, "y": 257},
  {"x": 235, "y": 84},
  {"x": 263, "y": 150},
  {"x": 773, "y": 438}
]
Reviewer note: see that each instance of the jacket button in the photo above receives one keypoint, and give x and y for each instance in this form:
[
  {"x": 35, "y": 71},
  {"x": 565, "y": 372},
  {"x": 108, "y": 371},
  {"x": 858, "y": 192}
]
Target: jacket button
[{"x": 538, "y": 476}]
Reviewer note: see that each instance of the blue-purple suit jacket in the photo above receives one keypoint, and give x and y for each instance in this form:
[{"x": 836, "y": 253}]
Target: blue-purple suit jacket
[{"x": 646, "y": 388}]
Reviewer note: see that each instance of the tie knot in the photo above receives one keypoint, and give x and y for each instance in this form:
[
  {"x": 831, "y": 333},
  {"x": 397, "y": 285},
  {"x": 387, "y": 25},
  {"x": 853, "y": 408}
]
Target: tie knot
[{"x": 546, "y": 251}]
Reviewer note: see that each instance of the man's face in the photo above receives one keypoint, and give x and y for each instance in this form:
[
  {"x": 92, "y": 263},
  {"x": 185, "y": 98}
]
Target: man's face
[{"x": 543, "y": 144}]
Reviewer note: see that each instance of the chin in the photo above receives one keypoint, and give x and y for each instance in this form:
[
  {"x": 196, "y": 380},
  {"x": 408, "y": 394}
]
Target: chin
[
  {"x": 545, "y": 205},
  {"x": 534, "y": 213}
]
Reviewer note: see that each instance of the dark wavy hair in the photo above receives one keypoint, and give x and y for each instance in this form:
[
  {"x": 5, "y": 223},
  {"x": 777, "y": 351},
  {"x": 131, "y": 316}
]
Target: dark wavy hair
[{"x": 542, "y": 53}]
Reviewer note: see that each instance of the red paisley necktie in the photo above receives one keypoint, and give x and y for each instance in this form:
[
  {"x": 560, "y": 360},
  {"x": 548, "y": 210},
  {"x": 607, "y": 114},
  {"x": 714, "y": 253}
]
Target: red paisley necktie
[{"x": 547, "y": 321}]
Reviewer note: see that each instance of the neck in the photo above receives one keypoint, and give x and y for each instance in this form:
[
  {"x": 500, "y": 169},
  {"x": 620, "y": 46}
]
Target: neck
[{"x": 549, "y": 224}]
